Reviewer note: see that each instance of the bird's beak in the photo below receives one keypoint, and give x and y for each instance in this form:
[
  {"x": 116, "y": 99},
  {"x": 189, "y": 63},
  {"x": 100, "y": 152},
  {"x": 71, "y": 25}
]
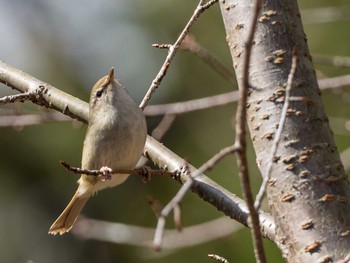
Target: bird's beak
[{"x": 110, "y": 77}]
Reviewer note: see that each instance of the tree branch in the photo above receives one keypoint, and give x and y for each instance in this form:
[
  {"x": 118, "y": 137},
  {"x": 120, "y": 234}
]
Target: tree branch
[
  {"x": 201, "y": 7},
  {"x": 219, "y": 197},
  {"x": 240, "y": 142}
]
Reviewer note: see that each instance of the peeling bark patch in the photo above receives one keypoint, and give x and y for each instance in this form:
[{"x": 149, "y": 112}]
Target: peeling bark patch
[
  {"x": 303, "y": 158},
  {"x": 313, "y": 247},
  {"x": 268, "y": 135},
  {"x": 288, "y": 158},
  {"x": 345, "y": 233},
  {"x": 325, "y": 259},
  {"x": 342, "y": 199},
  {"x": 239, "y": 26},
  {"x": 256, "y": 127},
  {"x": 263, "y": 18},
  {"x": 304, "y": 173},
  {"x": 334, "y": 179},
  {"x": 266, "y": 15},
  {"x": 272, "y": 182},
  {"x": 291, "y": 143},
  {"x": 288, "y": 197},
  {"x": 281, "y": 99},
  {"x": 279, "y": 52},
  {"x": 279, "y": 91},
  {"x": 265, "y": 117},
  {"x": 327, "y": 198},
  {"x": 268, "y": 58},
  {"x": 278, "y": 60},
  {"x": 229, "y": 6},
  {"x": 308, "y": 224},
  {"x": 270, "y": 13},
  {"x": 290, "y": 167},
  {"x": 276, "y": 158}
]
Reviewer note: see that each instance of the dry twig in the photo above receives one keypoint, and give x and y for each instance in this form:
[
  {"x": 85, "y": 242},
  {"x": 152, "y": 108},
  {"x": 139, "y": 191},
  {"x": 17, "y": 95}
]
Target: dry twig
[
  {"x": 32, "y": 95},
  {"x": 201, "y": 7},
  {"x": 140, "y": 236},
  {"x": 241, "y": 117},
  {"x": 158, "y": 236},
  {"x": 192, "y": 105},
  {"x": 143, "y": 171},
  {"x": 218, "y": 258}
]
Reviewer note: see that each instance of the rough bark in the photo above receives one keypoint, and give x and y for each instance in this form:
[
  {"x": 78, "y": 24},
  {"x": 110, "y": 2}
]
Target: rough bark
[{"x": 308, "y": 192}]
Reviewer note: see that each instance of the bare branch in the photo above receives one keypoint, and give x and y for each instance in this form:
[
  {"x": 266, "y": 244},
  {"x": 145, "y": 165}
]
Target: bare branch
[
  {"x": 137, "y": 171},
  {"x": 218, "y": 258},
  {"x": 335, "y": 82},
  {"x": 183, "y": 190},
  {"x": 226, "y": 98},
  {"x": 173, "y": 49},
  {"x": 162, "y": 46},
  {"x": 140, "y": 236},
  {"x": 31, "y": 119},
  {"x": 336, "y": 61},
  {"x": 241, "y": 118},
  {"x": 277, "y": 138},
  {"x": 204, "y": 187},
  {"x": 192, "y": 105},
  {"x": 33, "y": 95},
  {"x": 51, "y": 97}
]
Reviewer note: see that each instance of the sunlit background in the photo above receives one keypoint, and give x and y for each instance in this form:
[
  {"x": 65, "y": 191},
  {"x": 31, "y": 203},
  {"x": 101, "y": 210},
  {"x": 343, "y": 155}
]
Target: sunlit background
[{"x": 71, "y": 44}]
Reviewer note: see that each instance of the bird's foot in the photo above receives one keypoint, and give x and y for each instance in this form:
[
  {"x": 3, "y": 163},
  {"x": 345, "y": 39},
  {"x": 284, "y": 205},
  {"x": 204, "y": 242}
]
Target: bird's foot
[
  {"x": 146, "y": 174},
  {"x": 106, "y": 173}
]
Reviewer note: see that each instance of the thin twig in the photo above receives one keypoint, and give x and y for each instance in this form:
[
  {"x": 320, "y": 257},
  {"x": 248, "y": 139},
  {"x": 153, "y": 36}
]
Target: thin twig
[
  {"x": 218, "y": 258},
  {"x": 158, "y": 236},
  {"x": 30, "y": 95},
  {"x": 190, "y": 44},
  {"x": 162, "y": 46},
  {"x": 192, "y": 105},
  {"x": 336, "y": 61},
  {"x": 31, "y": 119},
  {"x": 277, "y": 138},
  {"x": 137, "y": 171},
  {"x": 226, "y": 98},
  {"x": 335, "y": 82},
  {"x": 201, "y": 7},
  {"x": 141, "y": 236},
  {"x": 241, "y": 117}
]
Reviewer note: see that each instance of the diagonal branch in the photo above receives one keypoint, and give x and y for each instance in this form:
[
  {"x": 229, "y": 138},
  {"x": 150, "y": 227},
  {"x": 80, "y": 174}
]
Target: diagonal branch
[
  {"x": 241, "y": 118},
  {"x": 201, "y": 7},
  {"x": 184, "y": 189},
  {"x": 219, "y": 197}
]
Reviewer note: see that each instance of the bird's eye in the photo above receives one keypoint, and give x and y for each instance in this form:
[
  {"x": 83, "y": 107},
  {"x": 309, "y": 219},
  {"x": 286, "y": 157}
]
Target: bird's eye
[{"x": 99, "y": 93}]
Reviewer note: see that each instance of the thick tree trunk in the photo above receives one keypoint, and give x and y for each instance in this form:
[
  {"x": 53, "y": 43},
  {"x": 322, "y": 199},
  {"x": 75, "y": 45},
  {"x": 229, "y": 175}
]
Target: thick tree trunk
[{"x": 308, "y": 191}]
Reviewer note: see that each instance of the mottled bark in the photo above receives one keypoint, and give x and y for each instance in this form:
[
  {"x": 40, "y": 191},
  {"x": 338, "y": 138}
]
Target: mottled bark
[{"x": 308, "y": 192}]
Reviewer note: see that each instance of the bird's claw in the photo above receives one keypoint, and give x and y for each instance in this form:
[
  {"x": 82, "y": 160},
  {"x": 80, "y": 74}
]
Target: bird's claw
[{"x": 106, "y": 173}]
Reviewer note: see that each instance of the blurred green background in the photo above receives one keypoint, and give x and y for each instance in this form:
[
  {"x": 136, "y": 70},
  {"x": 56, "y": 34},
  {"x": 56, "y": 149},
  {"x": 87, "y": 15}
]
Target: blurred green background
[{"x": 71, "y": 44}]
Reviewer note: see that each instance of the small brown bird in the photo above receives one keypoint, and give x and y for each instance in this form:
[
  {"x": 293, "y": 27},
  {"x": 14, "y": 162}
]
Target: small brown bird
[{"x": 115, "y": 139}]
